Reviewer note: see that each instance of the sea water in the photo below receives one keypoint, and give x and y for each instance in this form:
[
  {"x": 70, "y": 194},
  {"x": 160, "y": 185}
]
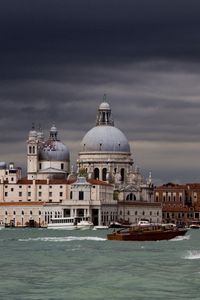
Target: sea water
[{"x": 40, "y": 264}]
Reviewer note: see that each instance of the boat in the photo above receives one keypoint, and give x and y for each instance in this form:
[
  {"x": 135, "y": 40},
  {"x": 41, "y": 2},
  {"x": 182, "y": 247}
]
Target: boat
[
  {"x": 70, "y": 223},
  {"x": 101, "y": 227},
  {"x": 84, "y": 224},
  {"x": 195, "y": 225},
  {"x": 2, "y": 224},
  {"x": 147, "y": 233},
  {"x": 119, "y": 225}
]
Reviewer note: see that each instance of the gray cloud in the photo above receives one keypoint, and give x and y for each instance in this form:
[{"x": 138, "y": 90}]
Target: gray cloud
[{"x": 58, "y": 58}]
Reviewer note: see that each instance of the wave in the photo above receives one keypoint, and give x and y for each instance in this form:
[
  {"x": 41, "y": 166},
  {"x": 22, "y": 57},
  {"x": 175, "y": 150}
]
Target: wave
[
  {"x": 63, "y": 239},
  {"x": 193, "y": 254},
  {"x": 181, "y": 238}
]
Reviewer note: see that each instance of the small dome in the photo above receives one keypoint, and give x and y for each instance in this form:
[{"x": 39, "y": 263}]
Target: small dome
[
  {"x": 40, "y": 135},
  {"x": 104, "y": 106},
  {"x": 105, "y": 138},
  {"x": 2, "y": 165},
  {"x": 33, "y": 133},
  {"x": 54, "y": 151}
]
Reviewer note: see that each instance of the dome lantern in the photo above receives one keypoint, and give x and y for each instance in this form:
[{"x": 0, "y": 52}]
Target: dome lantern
[
  {"x": 53, "y": 133},
  {"x": 104, "y": 116}
]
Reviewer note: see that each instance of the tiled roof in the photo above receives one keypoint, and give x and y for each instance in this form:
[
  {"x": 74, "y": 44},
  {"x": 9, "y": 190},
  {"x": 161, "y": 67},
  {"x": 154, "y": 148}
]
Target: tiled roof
[
  {"x": 98, "y": 182},
  {"x": 45, "y": 181},
  {"x": 30, "y": 203}
]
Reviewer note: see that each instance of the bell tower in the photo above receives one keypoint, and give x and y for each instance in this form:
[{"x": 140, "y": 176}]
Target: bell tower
[{"x": 32, "y": 154}]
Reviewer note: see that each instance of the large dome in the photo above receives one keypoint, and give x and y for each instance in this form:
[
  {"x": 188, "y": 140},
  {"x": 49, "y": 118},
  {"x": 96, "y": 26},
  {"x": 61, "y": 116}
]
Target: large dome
[
  {"x": 54, "y": 151},
  {"x": 105, "y": 138}
]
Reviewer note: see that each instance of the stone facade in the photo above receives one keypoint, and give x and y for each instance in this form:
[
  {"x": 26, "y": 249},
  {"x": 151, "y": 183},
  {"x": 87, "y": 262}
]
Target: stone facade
[
  {"x": 110, "y": 189},
  {"x": 180, "y": 203}
]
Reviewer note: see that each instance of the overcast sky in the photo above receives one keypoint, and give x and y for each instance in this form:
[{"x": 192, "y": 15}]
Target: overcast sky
[{"x": 58, "y": 58}]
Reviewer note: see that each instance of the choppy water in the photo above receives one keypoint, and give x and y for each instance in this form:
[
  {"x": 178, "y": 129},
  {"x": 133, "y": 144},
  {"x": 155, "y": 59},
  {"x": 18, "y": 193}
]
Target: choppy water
[{"x": 59, "y": 264}]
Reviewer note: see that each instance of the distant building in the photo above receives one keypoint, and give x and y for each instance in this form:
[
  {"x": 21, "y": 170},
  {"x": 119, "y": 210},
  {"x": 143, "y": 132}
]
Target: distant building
[
  {"x": 180, "y": 203},
  {"x": 105, "y": 154},
  {"x": 105, "y": 188}
]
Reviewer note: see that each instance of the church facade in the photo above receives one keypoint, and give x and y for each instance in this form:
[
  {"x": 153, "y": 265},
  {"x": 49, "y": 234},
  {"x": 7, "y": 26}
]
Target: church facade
[{"x": 106, "y": 187}]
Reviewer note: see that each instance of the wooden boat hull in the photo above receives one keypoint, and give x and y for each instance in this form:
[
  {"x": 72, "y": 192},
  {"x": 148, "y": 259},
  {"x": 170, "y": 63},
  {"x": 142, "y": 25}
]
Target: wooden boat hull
[{"x": 145, "y": 235}]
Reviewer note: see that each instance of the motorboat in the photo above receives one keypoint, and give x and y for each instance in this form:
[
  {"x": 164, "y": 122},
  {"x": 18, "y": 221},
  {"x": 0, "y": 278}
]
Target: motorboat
[
  {"x": 195, "y": 225},
  {"x": 101, "y": 227},
  {"x": 147, "y": 233},
  {"x": 118, "y": 225},
  {"x": 84, "y": 224},
  {"x": 2, "y": 224},
  {"x": 70, "y": 223}
]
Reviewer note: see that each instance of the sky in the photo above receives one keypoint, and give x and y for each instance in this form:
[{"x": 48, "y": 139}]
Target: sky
[{"x": 59, "y": 57}]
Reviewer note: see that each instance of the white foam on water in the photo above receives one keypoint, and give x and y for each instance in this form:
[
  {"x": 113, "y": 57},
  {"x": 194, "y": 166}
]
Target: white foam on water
[
  {"x": 192, "y": 254},
  {"x": 63, "y": 239},
  {"x": 181, "y": 238}
]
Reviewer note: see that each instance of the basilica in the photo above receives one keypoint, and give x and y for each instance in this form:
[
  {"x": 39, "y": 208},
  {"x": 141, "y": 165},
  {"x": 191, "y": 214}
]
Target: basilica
[{"x": 106, "y": 187}]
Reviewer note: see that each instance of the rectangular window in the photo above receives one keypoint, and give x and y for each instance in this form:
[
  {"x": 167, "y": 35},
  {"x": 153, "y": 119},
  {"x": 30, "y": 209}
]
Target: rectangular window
[
  {"x": 29, "y": 194},
  {"x": 12, "y": 189},
  {"x": 6, "y": 194},
  {"x": 20, "y": 194},
  {"x": 50, "y": 194},
  {"x": 61, "y": 194},
  {"x": 40, "y": 194},
  {"x": 81, "y": 195}
]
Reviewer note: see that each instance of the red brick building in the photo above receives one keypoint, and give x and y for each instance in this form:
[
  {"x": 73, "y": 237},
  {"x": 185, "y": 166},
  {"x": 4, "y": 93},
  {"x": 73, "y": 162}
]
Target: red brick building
[{"x": 180, "y": 203}]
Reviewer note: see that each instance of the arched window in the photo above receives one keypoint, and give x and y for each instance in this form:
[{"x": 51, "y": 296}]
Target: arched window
[
  {"x": 71, "y": 195},
  {"x": 104, "y": 171},
  {"x": 33, "y": 149},
  {"x": 81, "y": 195},
  {"x": 131, "y": 197},
  {"x": 122, "y": 174},
  {"x": 96, "y": 173},
  {"x": 30, "y": 149}
]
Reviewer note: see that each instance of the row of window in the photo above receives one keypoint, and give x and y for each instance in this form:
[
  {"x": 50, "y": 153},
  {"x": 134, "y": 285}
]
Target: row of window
[
  {"x": 180, "y": 215},
  {"x": 104, "y": 173},
  {"x": 40, "y": 187},
  {"x": 169, "y": 198},
  {"x": 22, "y": 212},
  {"x": 39, "y": 194},
  {"x": 136, "y": 213}
]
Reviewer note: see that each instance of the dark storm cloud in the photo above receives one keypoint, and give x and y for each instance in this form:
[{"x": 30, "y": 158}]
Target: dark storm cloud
[
  {"x": 58, "y": 58},
  {"x": 57, "y": 32}
]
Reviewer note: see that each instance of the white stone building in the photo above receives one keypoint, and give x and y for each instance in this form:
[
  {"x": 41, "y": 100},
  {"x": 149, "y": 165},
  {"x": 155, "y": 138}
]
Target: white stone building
[
  {"x": 110, "y": 190},
  {"x": 105, "y": 154}
]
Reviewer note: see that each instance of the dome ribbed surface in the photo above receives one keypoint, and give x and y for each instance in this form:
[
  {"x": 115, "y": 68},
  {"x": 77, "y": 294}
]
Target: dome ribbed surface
[
  {"x": 54, "y": 151},
  {"x": 105, "y": 138}
]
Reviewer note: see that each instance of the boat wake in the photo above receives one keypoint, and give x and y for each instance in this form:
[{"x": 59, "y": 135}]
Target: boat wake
[
  {"x": 63, "y": 239},
  {"x": 193, "y": 254},
  {"x": 181, "y": 238}
]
